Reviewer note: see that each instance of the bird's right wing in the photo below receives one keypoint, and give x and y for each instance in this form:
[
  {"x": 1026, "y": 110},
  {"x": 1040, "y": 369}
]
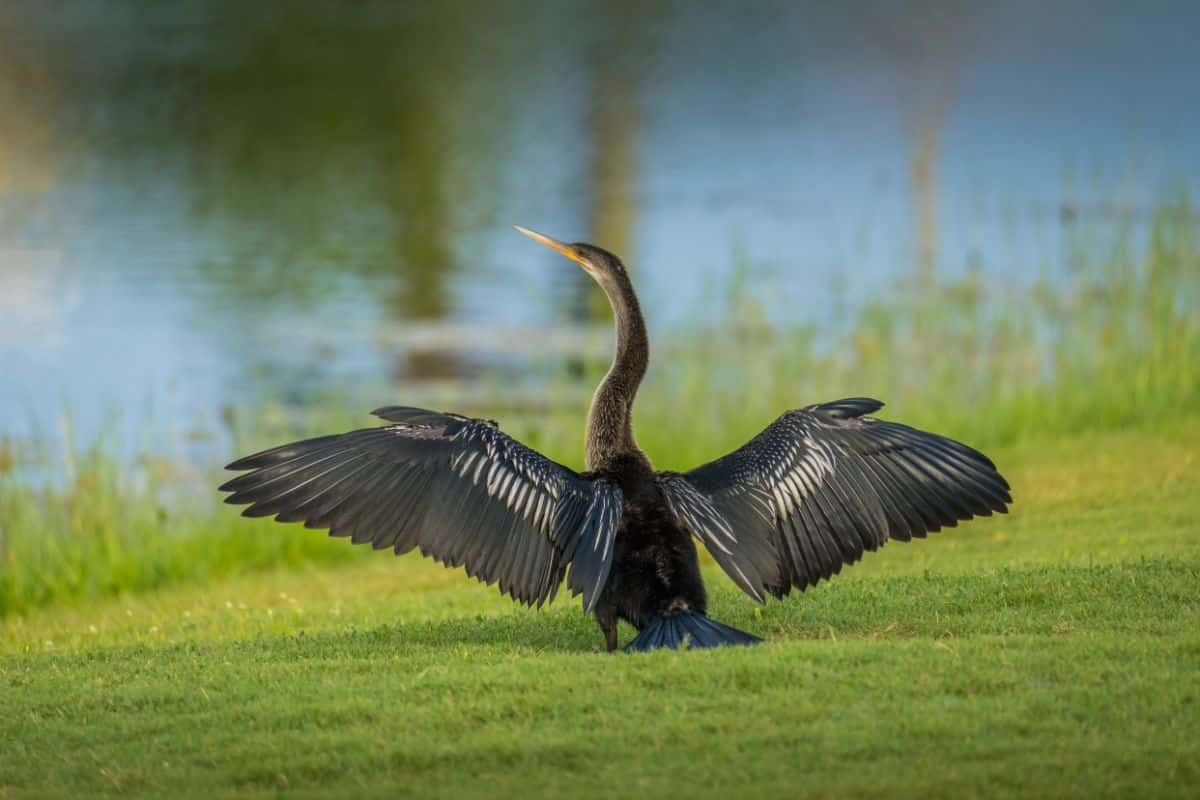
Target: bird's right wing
[
  {"x": 821, "y": 485},
  {"x": 459, "y": 489}
]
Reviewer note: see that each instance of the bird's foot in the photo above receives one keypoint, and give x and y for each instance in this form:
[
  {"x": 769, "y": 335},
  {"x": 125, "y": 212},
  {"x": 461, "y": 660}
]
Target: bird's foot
[{"x": 608, "y": 626}]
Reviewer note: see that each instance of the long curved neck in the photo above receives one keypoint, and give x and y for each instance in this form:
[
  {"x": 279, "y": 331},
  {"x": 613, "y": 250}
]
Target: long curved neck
[{"x": 610, "y": 424}]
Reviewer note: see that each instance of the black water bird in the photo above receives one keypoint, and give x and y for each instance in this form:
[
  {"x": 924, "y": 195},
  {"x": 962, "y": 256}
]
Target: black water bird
[{"x": 818, "y": 487}]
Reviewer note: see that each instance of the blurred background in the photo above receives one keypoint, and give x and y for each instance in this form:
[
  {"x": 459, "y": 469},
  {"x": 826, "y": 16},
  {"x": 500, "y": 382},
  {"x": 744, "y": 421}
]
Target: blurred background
[{"x": 223, "y": 223}]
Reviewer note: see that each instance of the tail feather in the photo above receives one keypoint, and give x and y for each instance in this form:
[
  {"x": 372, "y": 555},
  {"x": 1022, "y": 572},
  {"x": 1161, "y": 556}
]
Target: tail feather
[{"x": 695, "y": 629}]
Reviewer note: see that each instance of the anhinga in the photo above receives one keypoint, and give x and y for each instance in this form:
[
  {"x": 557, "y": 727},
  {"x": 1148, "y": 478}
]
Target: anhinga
[{"x": 818, "y": 487}]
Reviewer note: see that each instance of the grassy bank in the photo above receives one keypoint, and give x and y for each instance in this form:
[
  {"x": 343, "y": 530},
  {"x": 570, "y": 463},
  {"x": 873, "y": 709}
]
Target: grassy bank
[
  {"x": 1113, "y": 346},
  {"x": 1051, "y": 652}
]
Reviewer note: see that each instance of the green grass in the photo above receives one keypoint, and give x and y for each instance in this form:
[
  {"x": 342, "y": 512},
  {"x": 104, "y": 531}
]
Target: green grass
[{"x": 1052, "y": 652}]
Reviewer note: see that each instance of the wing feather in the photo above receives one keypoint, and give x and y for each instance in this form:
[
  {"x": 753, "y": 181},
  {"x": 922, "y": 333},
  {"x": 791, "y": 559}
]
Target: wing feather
[
  {"x": 822, "y": 485},
  {"x": 458, "y": 489}
]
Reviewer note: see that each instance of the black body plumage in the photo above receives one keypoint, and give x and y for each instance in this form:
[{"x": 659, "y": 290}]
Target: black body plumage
[
  {"x": 815, "y": 490},
  {"x": 655, "y": 569}
]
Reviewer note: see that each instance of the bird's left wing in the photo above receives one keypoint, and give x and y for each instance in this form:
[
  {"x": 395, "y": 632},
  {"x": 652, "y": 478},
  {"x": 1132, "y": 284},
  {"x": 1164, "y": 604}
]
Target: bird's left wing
[
  {"x": 821, "y": 485},
  {"x": 459, "y": 489}
]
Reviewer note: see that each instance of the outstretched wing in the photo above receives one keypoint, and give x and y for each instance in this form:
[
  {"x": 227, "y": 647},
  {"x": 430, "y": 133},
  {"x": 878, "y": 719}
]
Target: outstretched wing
[
  {"x": 823, "y": 484},
  {"x": 459, "y": 489}
]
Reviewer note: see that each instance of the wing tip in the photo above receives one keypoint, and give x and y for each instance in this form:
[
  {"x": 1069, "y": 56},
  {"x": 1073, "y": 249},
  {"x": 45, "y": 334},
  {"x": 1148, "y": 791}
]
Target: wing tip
[{"x": 242, "y": 464}]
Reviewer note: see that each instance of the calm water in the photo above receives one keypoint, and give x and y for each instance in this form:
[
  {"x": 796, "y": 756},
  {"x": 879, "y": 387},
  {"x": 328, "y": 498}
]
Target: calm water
[{"x": 203, "y": 202}]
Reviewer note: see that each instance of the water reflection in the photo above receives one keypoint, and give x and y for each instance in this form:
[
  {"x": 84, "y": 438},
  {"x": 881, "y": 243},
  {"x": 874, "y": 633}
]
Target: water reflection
[
  {"x": 345, "y": 153},
  {"x": 203, "y": 198}
]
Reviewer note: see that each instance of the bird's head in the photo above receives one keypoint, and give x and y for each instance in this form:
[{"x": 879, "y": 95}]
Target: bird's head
[{"x": 602, "y": 265}]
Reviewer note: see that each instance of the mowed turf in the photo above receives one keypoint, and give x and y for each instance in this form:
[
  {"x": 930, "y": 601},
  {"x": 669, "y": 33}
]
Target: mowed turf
[{"x": 1054, "y": 651}]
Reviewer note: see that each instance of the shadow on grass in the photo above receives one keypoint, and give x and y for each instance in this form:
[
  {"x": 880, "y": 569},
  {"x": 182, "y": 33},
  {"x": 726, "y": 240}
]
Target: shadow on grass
[
  {"x": 564, "y": 631},
  {"x": 1050, "y": 600}
]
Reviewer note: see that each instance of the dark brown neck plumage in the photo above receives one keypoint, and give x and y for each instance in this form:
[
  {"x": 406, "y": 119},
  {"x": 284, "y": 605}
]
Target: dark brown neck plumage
[{"x": 610, "y": 423}]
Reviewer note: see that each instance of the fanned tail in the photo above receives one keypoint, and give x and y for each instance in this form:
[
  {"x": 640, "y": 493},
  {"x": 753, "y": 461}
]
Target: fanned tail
[{"x": 695, "y": 629}]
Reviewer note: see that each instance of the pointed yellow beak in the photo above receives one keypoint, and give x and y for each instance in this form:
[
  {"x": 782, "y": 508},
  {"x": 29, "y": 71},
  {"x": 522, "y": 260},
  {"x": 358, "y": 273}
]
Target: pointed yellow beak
[{"x": 554, "y": 244}]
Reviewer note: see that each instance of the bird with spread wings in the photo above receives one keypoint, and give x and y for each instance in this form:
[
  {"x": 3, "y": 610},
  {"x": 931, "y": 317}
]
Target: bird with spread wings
[{"x": 816, "y": 489}]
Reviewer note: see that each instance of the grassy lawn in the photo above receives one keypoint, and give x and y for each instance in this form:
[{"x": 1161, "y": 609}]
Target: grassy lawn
[{"x": 1055, "y": 651}]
